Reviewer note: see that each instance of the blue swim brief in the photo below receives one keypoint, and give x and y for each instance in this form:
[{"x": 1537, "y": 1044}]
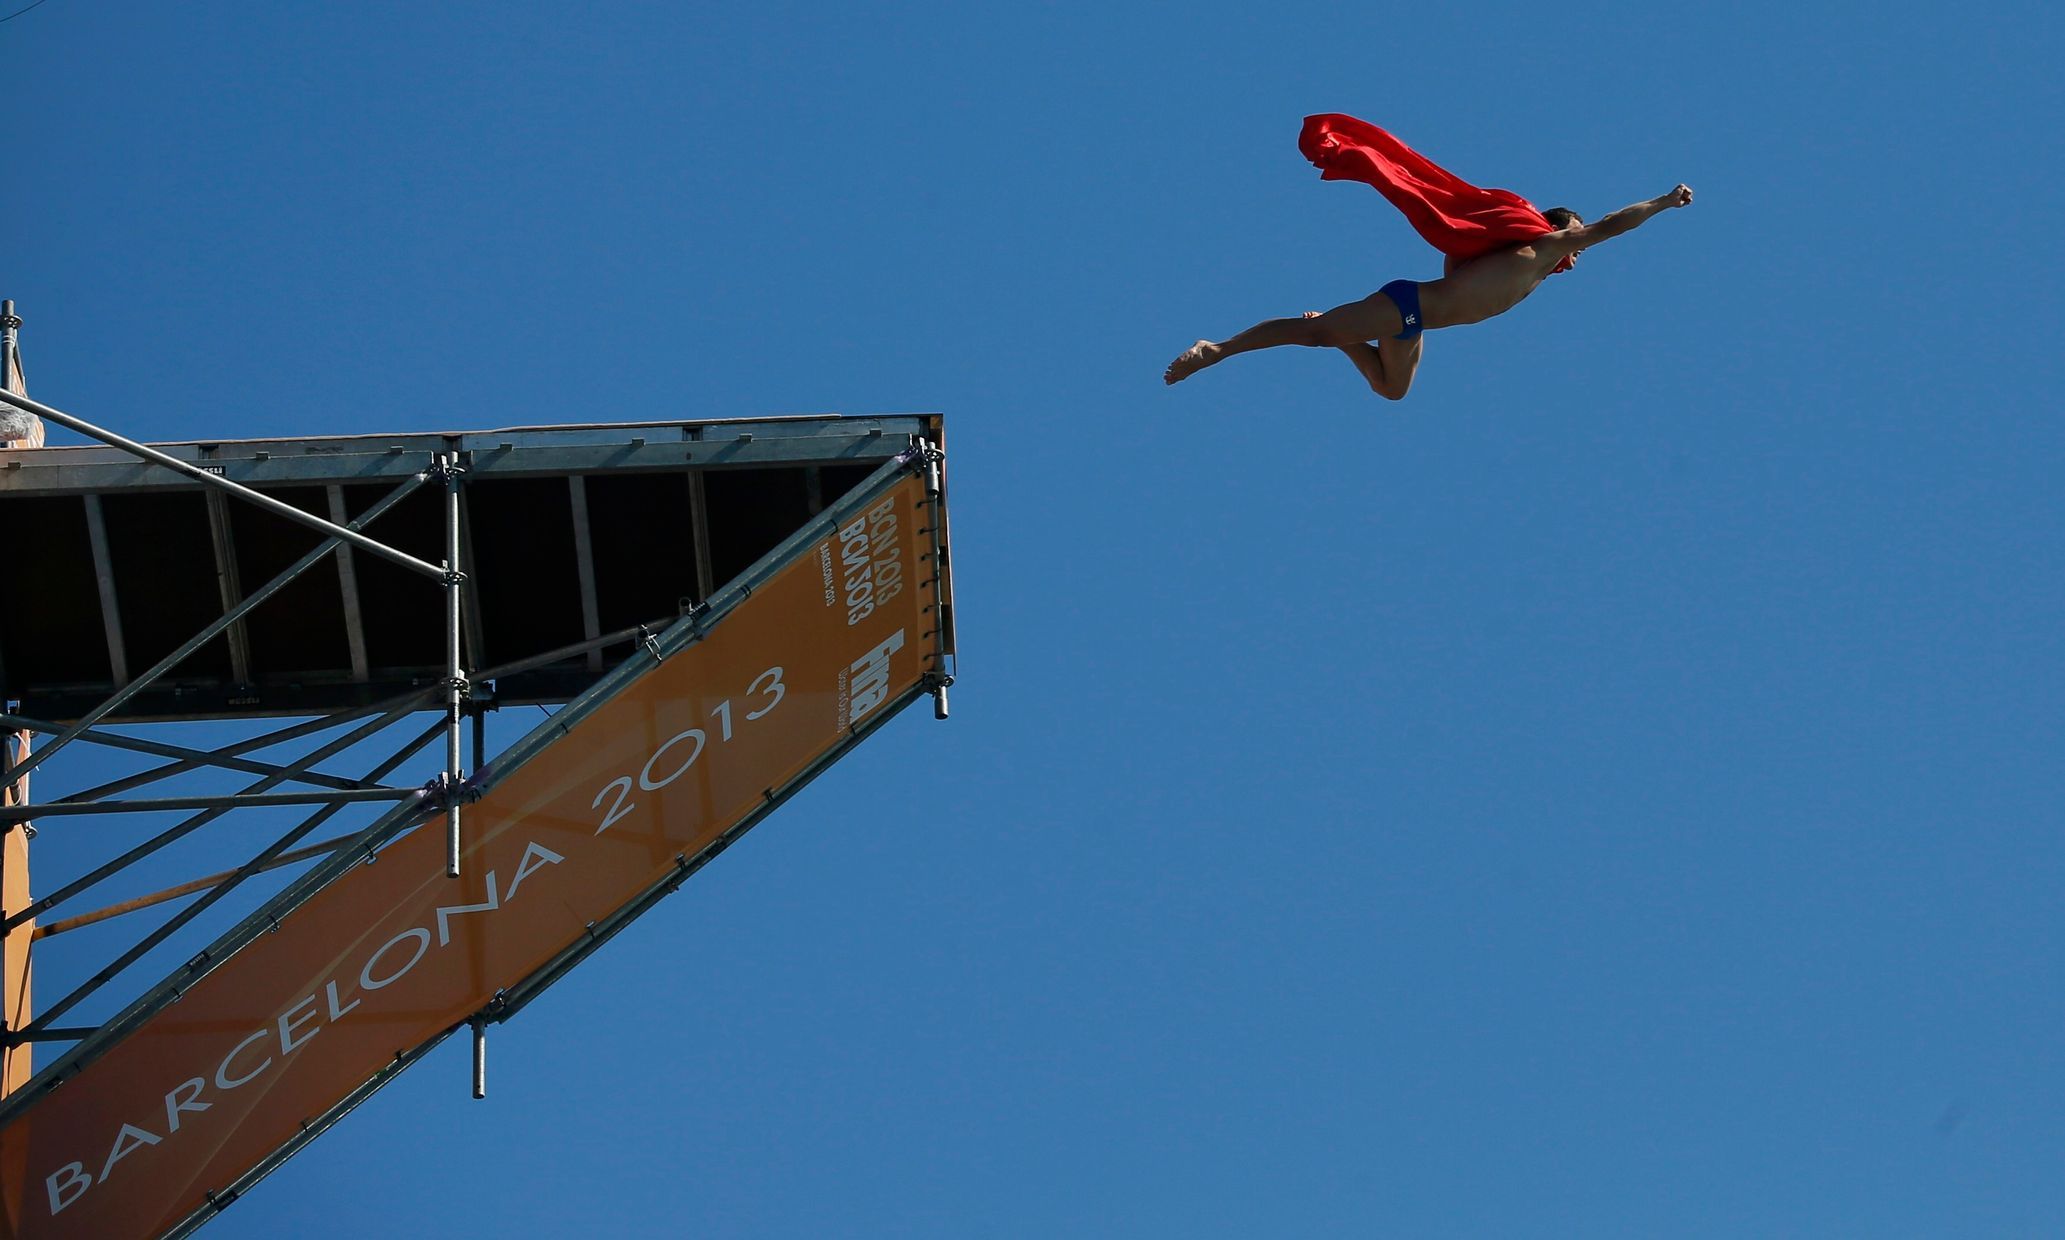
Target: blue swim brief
[{"x": 1405, "y": 294}]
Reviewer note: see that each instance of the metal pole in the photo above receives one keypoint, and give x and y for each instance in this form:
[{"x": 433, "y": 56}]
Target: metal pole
[
  {"x": 216, "y": 880},
  {"x": 115, "y": 740},
  {"x": 191, "y": 911},
  {"x": 173, "y": 463},
  {"x": 209, "y": 634},
  {"x": 455, "y": 676},
  {"x": 251, "y": 800},
  {"x": 300, "y": 890},
  {"x": 213, "y": 757},
  {"x": 936, "y": 501},
  {"x": 188, "y": 888},
  {"x": 516, "y": 667},
  {"x": 77, "y": 885},
  {"x": 480, "y": 1057}
]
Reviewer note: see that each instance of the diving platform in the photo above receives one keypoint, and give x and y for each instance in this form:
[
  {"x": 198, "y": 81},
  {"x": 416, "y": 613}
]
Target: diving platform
[
  {"x": 570, "y": 534},
  {"x": 711, "y": 612}
]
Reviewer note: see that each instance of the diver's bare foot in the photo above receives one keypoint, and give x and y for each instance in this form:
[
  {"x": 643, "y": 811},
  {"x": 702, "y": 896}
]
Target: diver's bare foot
[{"x": 1190, "y": 361}]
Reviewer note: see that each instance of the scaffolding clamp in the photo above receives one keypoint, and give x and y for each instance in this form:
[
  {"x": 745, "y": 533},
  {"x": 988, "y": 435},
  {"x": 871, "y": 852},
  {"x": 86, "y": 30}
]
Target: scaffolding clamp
[
  {"x": 936, "y": 683},
  {"x": 444, "y": 791}
]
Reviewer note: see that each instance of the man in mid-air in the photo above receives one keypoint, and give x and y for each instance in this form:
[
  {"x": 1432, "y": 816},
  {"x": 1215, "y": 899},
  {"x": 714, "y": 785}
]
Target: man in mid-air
[{"x": 1497, "y": 250}]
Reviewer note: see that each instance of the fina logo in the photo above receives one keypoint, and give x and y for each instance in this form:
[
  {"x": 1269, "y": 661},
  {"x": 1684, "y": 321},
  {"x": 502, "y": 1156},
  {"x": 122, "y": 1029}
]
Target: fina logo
[{"x": 870, "y": 683}]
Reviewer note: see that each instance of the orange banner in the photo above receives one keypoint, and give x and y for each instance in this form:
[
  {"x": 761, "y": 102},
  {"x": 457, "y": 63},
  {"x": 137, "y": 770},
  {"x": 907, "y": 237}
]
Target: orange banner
[{"x": 394, "y": 953}]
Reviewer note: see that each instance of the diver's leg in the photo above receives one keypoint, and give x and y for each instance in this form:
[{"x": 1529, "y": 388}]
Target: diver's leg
[
  {"x": 1267, "y": 334},
  {"x": 1389, "y": 365},
  {"x": 1373, "y": 317}
]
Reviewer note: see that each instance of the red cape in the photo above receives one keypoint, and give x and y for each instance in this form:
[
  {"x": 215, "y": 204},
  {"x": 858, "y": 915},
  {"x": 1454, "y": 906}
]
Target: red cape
[{"x": 1456, "y": 217}]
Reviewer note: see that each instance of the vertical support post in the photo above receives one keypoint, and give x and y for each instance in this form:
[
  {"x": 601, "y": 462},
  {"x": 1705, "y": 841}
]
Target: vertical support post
[
  {"x": 348, "y": 582},
  {"x": 475, "y": 634},
  {"x": 17, "y": 1010},
  {"x": 584, "y": 563},
  {"x": 230, "y": 584},
  {"x": 455, "y": 675},
  {"x": 936, "y": 501},
  {"x": 699, "y": 533},
  {"x": 480, "y": 1057},
  {"x": 110, "y": 606}
]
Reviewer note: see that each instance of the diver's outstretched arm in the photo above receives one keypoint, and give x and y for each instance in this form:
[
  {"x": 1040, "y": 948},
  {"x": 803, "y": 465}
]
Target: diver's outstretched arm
[{"x": 1627, "y": 219}]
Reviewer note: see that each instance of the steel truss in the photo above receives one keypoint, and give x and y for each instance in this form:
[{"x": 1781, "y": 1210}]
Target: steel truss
[
  {"x": 463, "y": 694},
  {"x": 328, "y": 794}
]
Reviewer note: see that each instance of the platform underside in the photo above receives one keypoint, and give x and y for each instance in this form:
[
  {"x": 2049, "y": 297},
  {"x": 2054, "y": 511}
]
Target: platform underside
[{"x": 571, "y": 534}]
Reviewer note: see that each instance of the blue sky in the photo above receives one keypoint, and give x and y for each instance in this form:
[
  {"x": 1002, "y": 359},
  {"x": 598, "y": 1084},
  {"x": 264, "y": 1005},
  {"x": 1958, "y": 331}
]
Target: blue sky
[{"x": 1613, "y": 792}]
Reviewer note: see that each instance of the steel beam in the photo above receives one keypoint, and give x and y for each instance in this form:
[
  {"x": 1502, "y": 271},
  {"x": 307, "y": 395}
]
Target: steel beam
[
  {"x": 215, "y": 880},
  {"x": 115, "y": 740},
  {"x": 215, "y": 757},
  {"x": 110, "y": 605},
  {"x": 199, "y": 820},
  {"x": 699, "y": 530},
  {"x": 584, "y": 565},
  {"x": 252, "y": 800},
  {"x": 348, "y": 582},
  {"x": 455, "y": 673},
  {"x": 181, "y": 918},
  {"x": 267, "y": 502},
  {"x": 229, "y": 585},
  {"x": 156, "y": 898},
  {"x": 476, "y": 634},
  {"x": 209, "y": 634},
  {"x": 681, "y": 633},
  {"x": 79, "y": 470}
]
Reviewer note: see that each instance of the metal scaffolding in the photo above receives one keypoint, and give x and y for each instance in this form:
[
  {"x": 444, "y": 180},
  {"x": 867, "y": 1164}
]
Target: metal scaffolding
[
  {"x": 328, "y": 793},
  {"x": 368, "y": 711}
]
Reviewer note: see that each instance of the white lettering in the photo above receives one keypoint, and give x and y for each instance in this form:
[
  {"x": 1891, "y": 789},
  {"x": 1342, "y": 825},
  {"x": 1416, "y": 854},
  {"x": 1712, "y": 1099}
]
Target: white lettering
[
  {"x": 617, "y": 808},
  {"x": 444, "y": 915},
  {"x": 174, "y": 1104},
  {"x": 422, "y": 938},
  {"x": 288, "y": 1024},
  {"x": 645, "y": 776},
  {"x": 772, "y": 680},
  {"x": 137, "y": 1138},
  {"x": 76, "y": 1181},
  {"x": 874, "y": 564},
  {"x": 545, "y": 857},
  {"x": 863, "y": 687},
  {"x": 335, "y": 1011},
  {"x": 222, "y": 1080},
  {"x": 871, "y": 676}
]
